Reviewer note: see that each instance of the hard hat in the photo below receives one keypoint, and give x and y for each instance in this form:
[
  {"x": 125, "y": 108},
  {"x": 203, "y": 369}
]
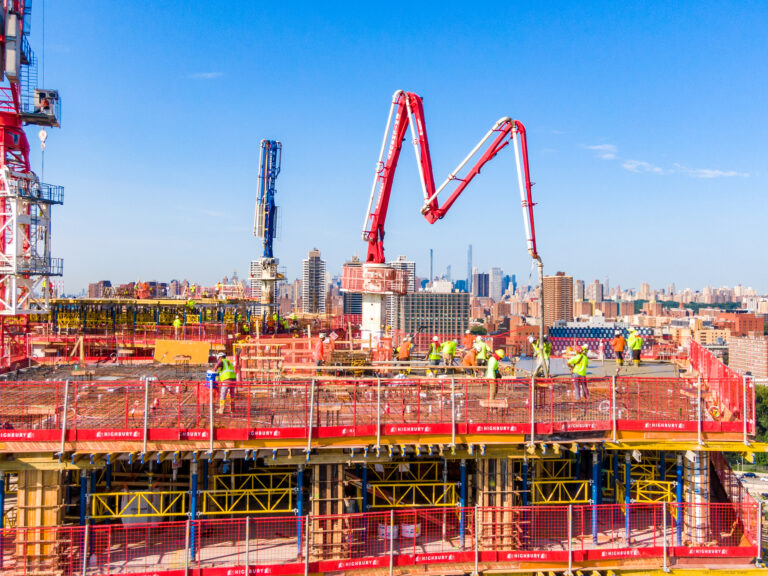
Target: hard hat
[
  {"x": 618, "y": 332},
  {"x": 546, "y": 338},
  {"x": 467, "y": 332},
  {"x": 500, "y": 353},
  {"x": 322, "y": 335},
  {"x": 584, "y": 347},
  {"x": 531, "y": 338},
  {"x": 478, "y": 339},
  {"x": 435, "y": 339},
  {"x": 220, "y": 355}
]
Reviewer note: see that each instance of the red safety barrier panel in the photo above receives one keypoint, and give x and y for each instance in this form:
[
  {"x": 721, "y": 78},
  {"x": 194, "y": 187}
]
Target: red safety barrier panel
[
  {"x": 372, "y": 540},
  {"x": 352, "y": 407}
]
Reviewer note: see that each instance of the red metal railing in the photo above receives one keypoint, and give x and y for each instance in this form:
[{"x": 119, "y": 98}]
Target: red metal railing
[
  {"x": 173, "y": 410},
  {"x": 559, "y": 535}
]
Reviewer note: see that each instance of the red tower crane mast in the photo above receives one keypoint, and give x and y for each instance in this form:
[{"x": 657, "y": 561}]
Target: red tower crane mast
[{"x": 408, "y": 111}]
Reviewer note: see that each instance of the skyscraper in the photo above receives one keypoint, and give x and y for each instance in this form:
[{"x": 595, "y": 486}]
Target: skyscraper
[
  {"x": 607, "y": 289},
  {"x": 469, "y": 268},
  {"x": 409, "y": 267},
  {"x": 314, "y": 283},
  {"x": 597, "y": 291},
  {"x": 494, "y": 283},
  {"x": 558, "y": 298},
  {"x": 578, "y": 294},
  {"x": 480, "y": 285}
]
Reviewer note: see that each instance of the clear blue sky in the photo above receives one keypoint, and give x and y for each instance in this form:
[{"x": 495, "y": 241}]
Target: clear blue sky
[{"x": 646, "y": 126}]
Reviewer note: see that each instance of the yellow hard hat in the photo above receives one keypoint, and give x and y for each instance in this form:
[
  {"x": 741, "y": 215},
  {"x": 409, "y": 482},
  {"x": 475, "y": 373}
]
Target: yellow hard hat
[{"x": 500, "y": 353}]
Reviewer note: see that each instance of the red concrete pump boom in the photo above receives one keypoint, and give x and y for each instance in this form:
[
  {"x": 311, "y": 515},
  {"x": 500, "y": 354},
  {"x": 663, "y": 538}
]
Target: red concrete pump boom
[{"x": 408, "y": 110}]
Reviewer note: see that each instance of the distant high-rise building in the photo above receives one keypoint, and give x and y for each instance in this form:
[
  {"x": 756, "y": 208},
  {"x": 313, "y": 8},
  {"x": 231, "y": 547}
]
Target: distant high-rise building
[
  {"x": 671, "y": 289},
  {"x": 607, "y": 289},
  {"x": 480, "y": 285},
  {"x": 448, "y": 273},
  {"x": 97, "y": 289},
  {"x": 558, "y": 298},
  {"x": 428, "y": 314},
  {"x": 494, "y": 283},
  {"x": 431, "y": 265},
  {"x": 352, "y": 302},
  {"x": 578, "y": 293},
  {"x": 469, "y": 268},
  {"x": 597, "y": 291},
  {"x": 645, "y": 291},
  {"x": 314, "y": 283},
  {"x": 409, "y": 267}
]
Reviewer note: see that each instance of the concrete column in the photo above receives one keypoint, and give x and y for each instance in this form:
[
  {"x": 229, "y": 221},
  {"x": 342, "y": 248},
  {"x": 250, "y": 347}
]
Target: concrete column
[{"x": 696, "y": 471}]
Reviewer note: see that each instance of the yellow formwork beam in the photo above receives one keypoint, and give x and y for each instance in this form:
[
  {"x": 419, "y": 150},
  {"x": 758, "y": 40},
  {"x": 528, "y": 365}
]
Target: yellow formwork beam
[
  {"x": 138, "y": 504},
  {"x": 269, "y": 501},
  {"x": 560, "y": 491},
  {"x": 255, "y": 481},
  {"x": 402, "y": 495}
]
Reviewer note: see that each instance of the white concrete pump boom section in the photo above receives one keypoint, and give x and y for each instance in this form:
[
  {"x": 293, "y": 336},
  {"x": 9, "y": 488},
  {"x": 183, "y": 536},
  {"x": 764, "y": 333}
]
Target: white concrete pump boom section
[{"x": 407, "y": 111}]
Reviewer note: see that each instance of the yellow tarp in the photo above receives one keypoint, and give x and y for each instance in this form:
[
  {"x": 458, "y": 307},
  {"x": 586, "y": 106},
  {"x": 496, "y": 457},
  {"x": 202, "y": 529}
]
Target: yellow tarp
[{"x": 172, "y": 351}]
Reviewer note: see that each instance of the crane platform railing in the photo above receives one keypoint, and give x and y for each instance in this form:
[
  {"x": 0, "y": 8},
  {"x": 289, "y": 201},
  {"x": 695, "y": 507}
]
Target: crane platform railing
[
  {"x": 135, "y": 411},
  {"x": 524, "y": 536}
]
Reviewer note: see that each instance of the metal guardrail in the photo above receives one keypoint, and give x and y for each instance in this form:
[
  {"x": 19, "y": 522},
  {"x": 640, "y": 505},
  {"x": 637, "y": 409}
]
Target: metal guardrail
[
  {"x": 138, "y": 504},
  {"x": 225, "y": 502}
]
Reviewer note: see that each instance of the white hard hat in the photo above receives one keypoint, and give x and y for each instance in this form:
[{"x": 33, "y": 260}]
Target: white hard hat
[
  {"x": 531, "y": 338},
  {"x": 221, "y": 355},
  {"x": 467, "y": 332},
  {"x": 478, "y": 339},
  {"x": 618, "y": 332},
  {"x": 322, "y": 335},
  {"x": 435, "y": 338}
]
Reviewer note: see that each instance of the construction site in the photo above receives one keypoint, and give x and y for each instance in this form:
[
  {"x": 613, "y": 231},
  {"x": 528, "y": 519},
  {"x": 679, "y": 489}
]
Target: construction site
[{"x": 328, "y": 453}]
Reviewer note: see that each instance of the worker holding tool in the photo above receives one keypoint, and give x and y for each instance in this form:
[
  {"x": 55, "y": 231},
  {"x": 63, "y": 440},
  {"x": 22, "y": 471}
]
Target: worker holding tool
[
  {"x": 635, "y": 344},
  {"x": 483, "y": 351},
  {"x": 579, "y": 364},
  {"x": 468, "y": 340},
  {"x": 434, "y": 355},
  {"x": 404, "y": 350},
  {"x": 619, "y": 343},
  {"x": 542, "y": 353},
  {"x": 448, "y": 351},
  {"x": 227, "y": 377}
]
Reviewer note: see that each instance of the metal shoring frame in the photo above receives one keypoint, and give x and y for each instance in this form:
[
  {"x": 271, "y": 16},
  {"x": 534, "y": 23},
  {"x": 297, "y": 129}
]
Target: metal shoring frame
[{"x": 63, "y": 419}]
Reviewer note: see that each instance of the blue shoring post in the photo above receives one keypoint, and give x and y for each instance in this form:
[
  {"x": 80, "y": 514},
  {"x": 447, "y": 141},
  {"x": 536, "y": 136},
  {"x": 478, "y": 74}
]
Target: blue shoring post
[
  {"x": 157, "y": 317},
  {"x": 627, "y": 492},
  {"x": 364, "y": 507},
  {"x": 135, "y": 314},
  {"x": 108, "y": 474},
  {"x": 299, "y": 504},
  {"x": 595, "y": 492},
  {"x": 68, "y": 491},
  {"x": 2, "y": 516},
  {"x": 205, "y": 474},
  {"x": 94, "y": 478},
  {"x": 114, "y": 319},
  {"x": 83, "y": 495},
  {"x": 663, "y": 466},
  {"x": 185, "y": 315},
  {"x": 615, "y": 476},
  {"x": 192, "y": 508},
  {"x": 2, "y": 507},
  {"x": 463, "y": 501},
  {"x": 525, "y": 480},
  {"x": 679, "y": 498}
]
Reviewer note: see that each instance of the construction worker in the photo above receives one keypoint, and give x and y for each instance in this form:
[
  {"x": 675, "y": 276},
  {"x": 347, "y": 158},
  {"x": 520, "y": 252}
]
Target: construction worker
[
  {"x": 434, "y": 355},
  {"x": 448, "y": 351},
  {"x": 404, "y": 350},
  {"x": 176, "y": 326},
  {"x": 470, "y": 357},
  {"x": 492, "y": 371},
  {"x": 635, "y": 344},
  {"x": 468, "y": 340},
  {"x": 580, "y": 362},
  {"x": 619, "y": 343},
  {"x": 541, "y": 353},
  {"x": 483, "y": 351},
  {"x": 227, "y": 378},
  {"x": 318, "y": 349}
]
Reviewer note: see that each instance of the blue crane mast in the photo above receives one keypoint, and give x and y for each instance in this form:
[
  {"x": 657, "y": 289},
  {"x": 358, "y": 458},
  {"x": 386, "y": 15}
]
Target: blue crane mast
[{"x": 266, "y": 211}]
